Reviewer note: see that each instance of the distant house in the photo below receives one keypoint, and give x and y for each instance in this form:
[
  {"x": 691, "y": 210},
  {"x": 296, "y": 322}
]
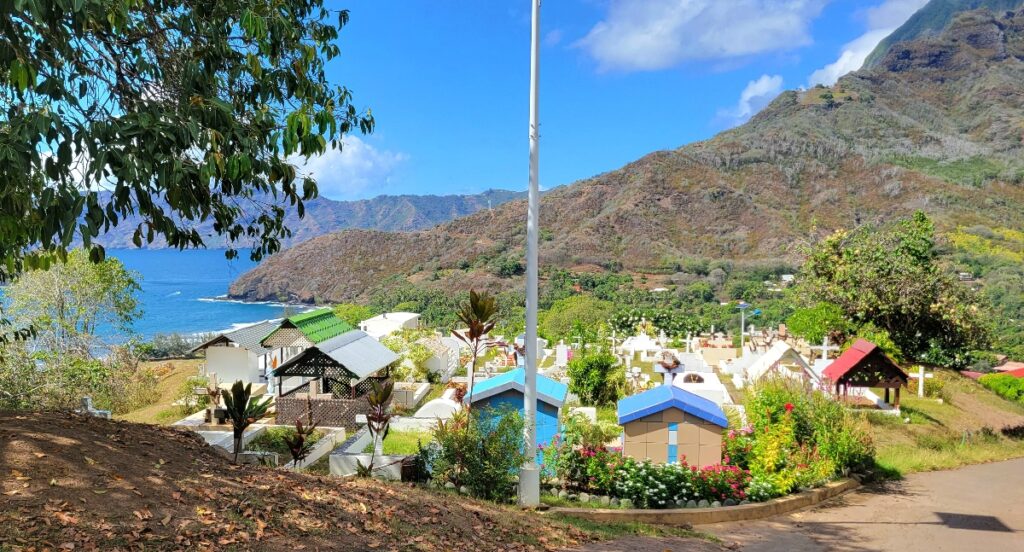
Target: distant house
[
  {"x": 506, "y": 391},
  {"x": 389, "y": 323},
  {"x": 1009, "y": 366},
  {"x": 669, "y": 424},
  {"x": 333, "y": 376},
  {"x": 239, "y": 355}
]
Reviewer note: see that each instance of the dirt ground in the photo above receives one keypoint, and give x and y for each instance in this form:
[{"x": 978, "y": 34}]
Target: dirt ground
[{"x": 77, "y": 483}]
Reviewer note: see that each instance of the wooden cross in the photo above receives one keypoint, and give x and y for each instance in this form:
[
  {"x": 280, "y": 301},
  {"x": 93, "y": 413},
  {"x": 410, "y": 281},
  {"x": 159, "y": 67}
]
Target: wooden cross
[
  {"x": 825, "y": 348},
  {"x": 920, "y": 375}
]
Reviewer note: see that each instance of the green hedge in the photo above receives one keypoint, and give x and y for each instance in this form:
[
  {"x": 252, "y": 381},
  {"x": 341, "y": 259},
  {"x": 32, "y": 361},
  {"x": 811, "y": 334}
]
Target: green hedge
[{"x": 1006, "y": 386}]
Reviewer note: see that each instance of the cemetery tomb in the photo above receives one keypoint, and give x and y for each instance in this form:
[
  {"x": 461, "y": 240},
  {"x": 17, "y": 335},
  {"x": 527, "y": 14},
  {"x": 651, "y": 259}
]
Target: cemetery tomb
[{"x": 668, "y": 424}]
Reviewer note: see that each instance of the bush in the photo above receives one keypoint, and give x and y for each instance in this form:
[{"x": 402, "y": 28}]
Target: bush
[
  {"x": 187, "y": 400},
  {"x": 1004, "y": 385},
  {"x": 481, "y": 451},
  {"x": 273, "y": 440},
  {"x": 819, "y": 423},
  {"x": 595, "y": 379},
  {"x": 650, "y": 485}
]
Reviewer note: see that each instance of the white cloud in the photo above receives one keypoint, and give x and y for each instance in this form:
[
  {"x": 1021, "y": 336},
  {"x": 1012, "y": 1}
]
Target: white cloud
[
  {"x": 644, "y": 35},
  {"x": 882, "y": 20},
  {"x": 757, "y": 94},
  {"x": 348, "y": 173}
]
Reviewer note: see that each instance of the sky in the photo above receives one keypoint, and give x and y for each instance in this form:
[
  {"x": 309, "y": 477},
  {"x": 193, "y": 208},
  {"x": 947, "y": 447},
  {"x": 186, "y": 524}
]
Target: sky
[{"x": 448, "y": 82}]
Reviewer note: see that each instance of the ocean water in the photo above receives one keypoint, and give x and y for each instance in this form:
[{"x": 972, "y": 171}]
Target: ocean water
[{"x": 182, "y": 292}]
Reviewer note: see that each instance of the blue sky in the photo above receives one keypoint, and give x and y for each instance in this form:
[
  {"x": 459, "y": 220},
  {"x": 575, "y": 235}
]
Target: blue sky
[{"x": 448, "y": 81}]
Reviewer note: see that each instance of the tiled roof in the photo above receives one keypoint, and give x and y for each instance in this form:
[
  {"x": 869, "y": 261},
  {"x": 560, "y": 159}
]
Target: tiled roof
[{"x": 249, "y": 337}]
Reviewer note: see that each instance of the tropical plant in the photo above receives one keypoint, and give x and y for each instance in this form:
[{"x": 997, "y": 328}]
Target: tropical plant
[
  {"x": 819, "y": 321},
  {"x": 479, "y": 315},
  {"x": 242, "y": 410},
  {"x": 480, "y": 450},
  {"x": 299, "y": 443},
  {"x": 595, "y": 377},
  {"x": 378, "y": 420}
]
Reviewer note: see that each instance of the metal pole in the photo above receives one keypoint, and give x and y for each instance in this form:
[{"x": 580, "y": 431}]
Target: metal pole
[
  {"x": 529, "y": 475},
  {"x": 743, "y": 330}
]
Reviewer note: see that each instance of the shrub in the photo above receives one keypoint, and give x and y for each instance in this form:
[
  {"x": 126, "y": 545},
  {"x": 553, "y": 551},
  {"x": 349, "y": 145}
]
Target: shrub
[
  {"x": 481, "y": 451},
  {"x": 799, "y": 438},
  {"x": 187, "y": 400},
  {"x": 650, "y": 485},
  {"x": 1004, "y": 385},
  {"x": 274, "y": 439},
  {"x": 594, "y": 377}
]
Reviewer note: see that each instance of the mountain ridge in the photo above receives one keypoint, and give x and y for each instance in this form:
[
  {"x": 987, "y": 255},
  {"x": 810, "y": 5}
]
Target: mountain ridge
[
  {"x": 396, "y": 213},
  {"x": 936, "y": 126}
]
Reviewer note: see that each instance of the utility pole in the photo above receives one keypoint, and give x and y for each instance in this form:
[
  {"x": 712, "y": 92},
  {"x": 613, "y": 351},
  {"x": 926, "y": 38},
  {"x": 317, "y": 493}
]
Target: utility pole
[{"x": 529, "y": 475}]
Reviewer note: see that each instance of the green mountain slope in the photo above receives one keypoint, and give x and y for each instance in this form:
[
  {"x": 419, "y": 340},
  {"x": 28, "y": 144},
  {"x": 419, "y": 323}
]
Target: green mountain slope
[
  {"x": 932, "y": 19},
  {"x": 936, "y": 126}
]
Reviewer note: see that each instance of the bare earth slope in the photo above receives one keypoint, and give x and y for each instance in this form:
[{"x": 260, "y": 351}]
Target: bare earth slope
[
  {"x": 937, "y": 126},
  {"x": 72, "y": 483}
]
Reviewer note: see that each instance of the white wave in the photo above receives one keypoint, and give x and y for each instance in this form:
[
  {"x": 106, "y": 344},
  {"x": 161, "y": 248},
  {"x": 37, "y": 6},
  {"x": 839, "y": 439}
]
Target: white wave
[{"x": 173, "y": 294}]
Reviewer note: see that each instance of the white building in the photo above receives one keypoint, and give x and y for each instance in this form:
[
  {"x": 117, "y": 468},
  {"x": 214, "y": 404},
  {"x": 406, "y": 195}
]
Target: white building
[
  {"x": 389, "y": 323},
  {"x": 781, "y": 359},
  {"x": 239, "y": 355}
]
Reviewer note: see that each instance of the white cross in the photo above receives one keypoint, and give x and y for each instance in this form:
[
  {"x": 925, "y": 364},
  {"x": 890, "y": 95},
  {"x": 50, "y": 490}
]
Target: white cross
[
  {"x": 920, "y": 375},
  {"x": 825, "y": 348}
]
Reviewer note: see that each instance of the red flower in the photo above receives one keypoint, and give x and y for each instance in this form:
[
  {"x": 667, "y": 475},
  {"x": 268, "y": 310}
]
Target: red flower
[{"x": 789, "y": 407}]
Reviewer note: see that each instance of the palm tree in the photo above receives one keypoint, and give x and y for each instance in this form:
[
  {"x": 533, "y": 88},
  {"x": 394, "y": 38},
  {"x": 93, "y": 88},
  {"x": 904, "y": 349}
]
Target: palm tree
[
  {"x": 242, "y": 410},
  {"x": 479, "y": 315}
]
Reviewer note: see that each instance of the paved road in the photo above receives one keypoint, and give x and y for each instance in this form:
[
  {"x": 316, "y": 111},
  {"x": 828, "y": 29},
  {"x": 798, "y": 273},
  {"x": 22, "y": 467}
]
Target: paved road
[{"x": 973, "y": 509}]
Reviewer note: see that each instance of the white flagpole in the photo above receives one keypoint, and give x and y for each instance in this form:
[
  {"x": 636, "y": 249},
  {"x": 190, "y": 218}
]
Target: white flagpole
[{"x": 529, "y": 475}]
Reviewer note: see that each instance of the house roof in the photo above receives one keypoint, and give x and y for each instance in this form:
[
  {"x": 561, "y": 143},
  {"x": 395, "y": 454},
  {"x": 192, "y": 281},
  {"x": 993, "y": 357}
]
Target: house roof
[
  {"x": 778, "y": 354},
  {"x": 548, "y": 390},
  {"x": 356, "y": 351},
  {"x": 317, "y": 325},
  {"x": 863, "y": 354},
  {"x": 664, "y": 397},
  {"x": 1010, "y": 366},
  {"x": 1018, "y": 373},
  {"x": 249, "y": 337}
]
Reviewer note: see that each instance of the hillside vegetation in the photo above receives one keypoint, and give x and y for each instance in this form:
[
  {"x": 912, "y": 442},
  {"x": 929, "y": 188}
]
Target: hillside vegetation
[{"x": 936, "y": 126}]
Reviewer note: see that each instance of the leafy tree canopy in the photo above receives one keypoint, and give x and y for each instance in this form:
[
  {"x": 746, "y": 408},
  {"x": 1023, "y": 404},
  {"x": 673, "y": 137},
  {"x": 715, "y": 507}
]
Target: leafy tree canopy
[
  {"x": 173, "y": 111},
  {"x": 891, "y": 278},
  {"x": 814, "y": 323},
  {"x": 353, "y": 314},
  {"x": 566, "y": 314}
]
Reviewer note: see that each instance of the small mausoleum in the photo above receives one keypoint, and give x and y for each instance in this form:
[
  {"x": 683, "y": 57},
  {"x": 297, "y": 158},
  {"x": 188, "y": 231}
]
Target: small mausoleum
[
  {"x": 669, "y": 424},
  {"x": 865, "y": 365},
  {"x": 506, "y": 391}
]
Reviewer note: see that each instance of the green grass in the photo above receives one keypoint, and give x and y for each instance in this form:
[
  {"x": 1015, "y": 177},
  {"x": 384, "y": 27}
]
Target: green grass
[
  {"x": 402, "y": 442},
  {"x": 272, "y": 440},
  {"x": 964, "y": 428},
  {"x": 611, "y": 530},
  {"x": 607, "y": 413}
]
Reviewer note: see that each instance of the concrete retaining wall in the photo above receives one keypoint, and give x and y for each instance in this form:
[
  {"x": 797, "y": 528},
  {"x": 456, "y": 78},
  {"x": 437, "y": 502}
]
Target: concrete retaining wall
[{"x": 700, "y": 516}]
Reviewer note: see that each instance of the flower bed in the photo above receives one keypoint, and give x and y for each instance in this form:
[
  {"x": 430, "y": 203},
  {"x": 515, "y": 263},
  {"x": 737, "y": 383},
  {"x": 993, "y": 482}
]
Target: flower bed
[{"x": 798, "y": 439}]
